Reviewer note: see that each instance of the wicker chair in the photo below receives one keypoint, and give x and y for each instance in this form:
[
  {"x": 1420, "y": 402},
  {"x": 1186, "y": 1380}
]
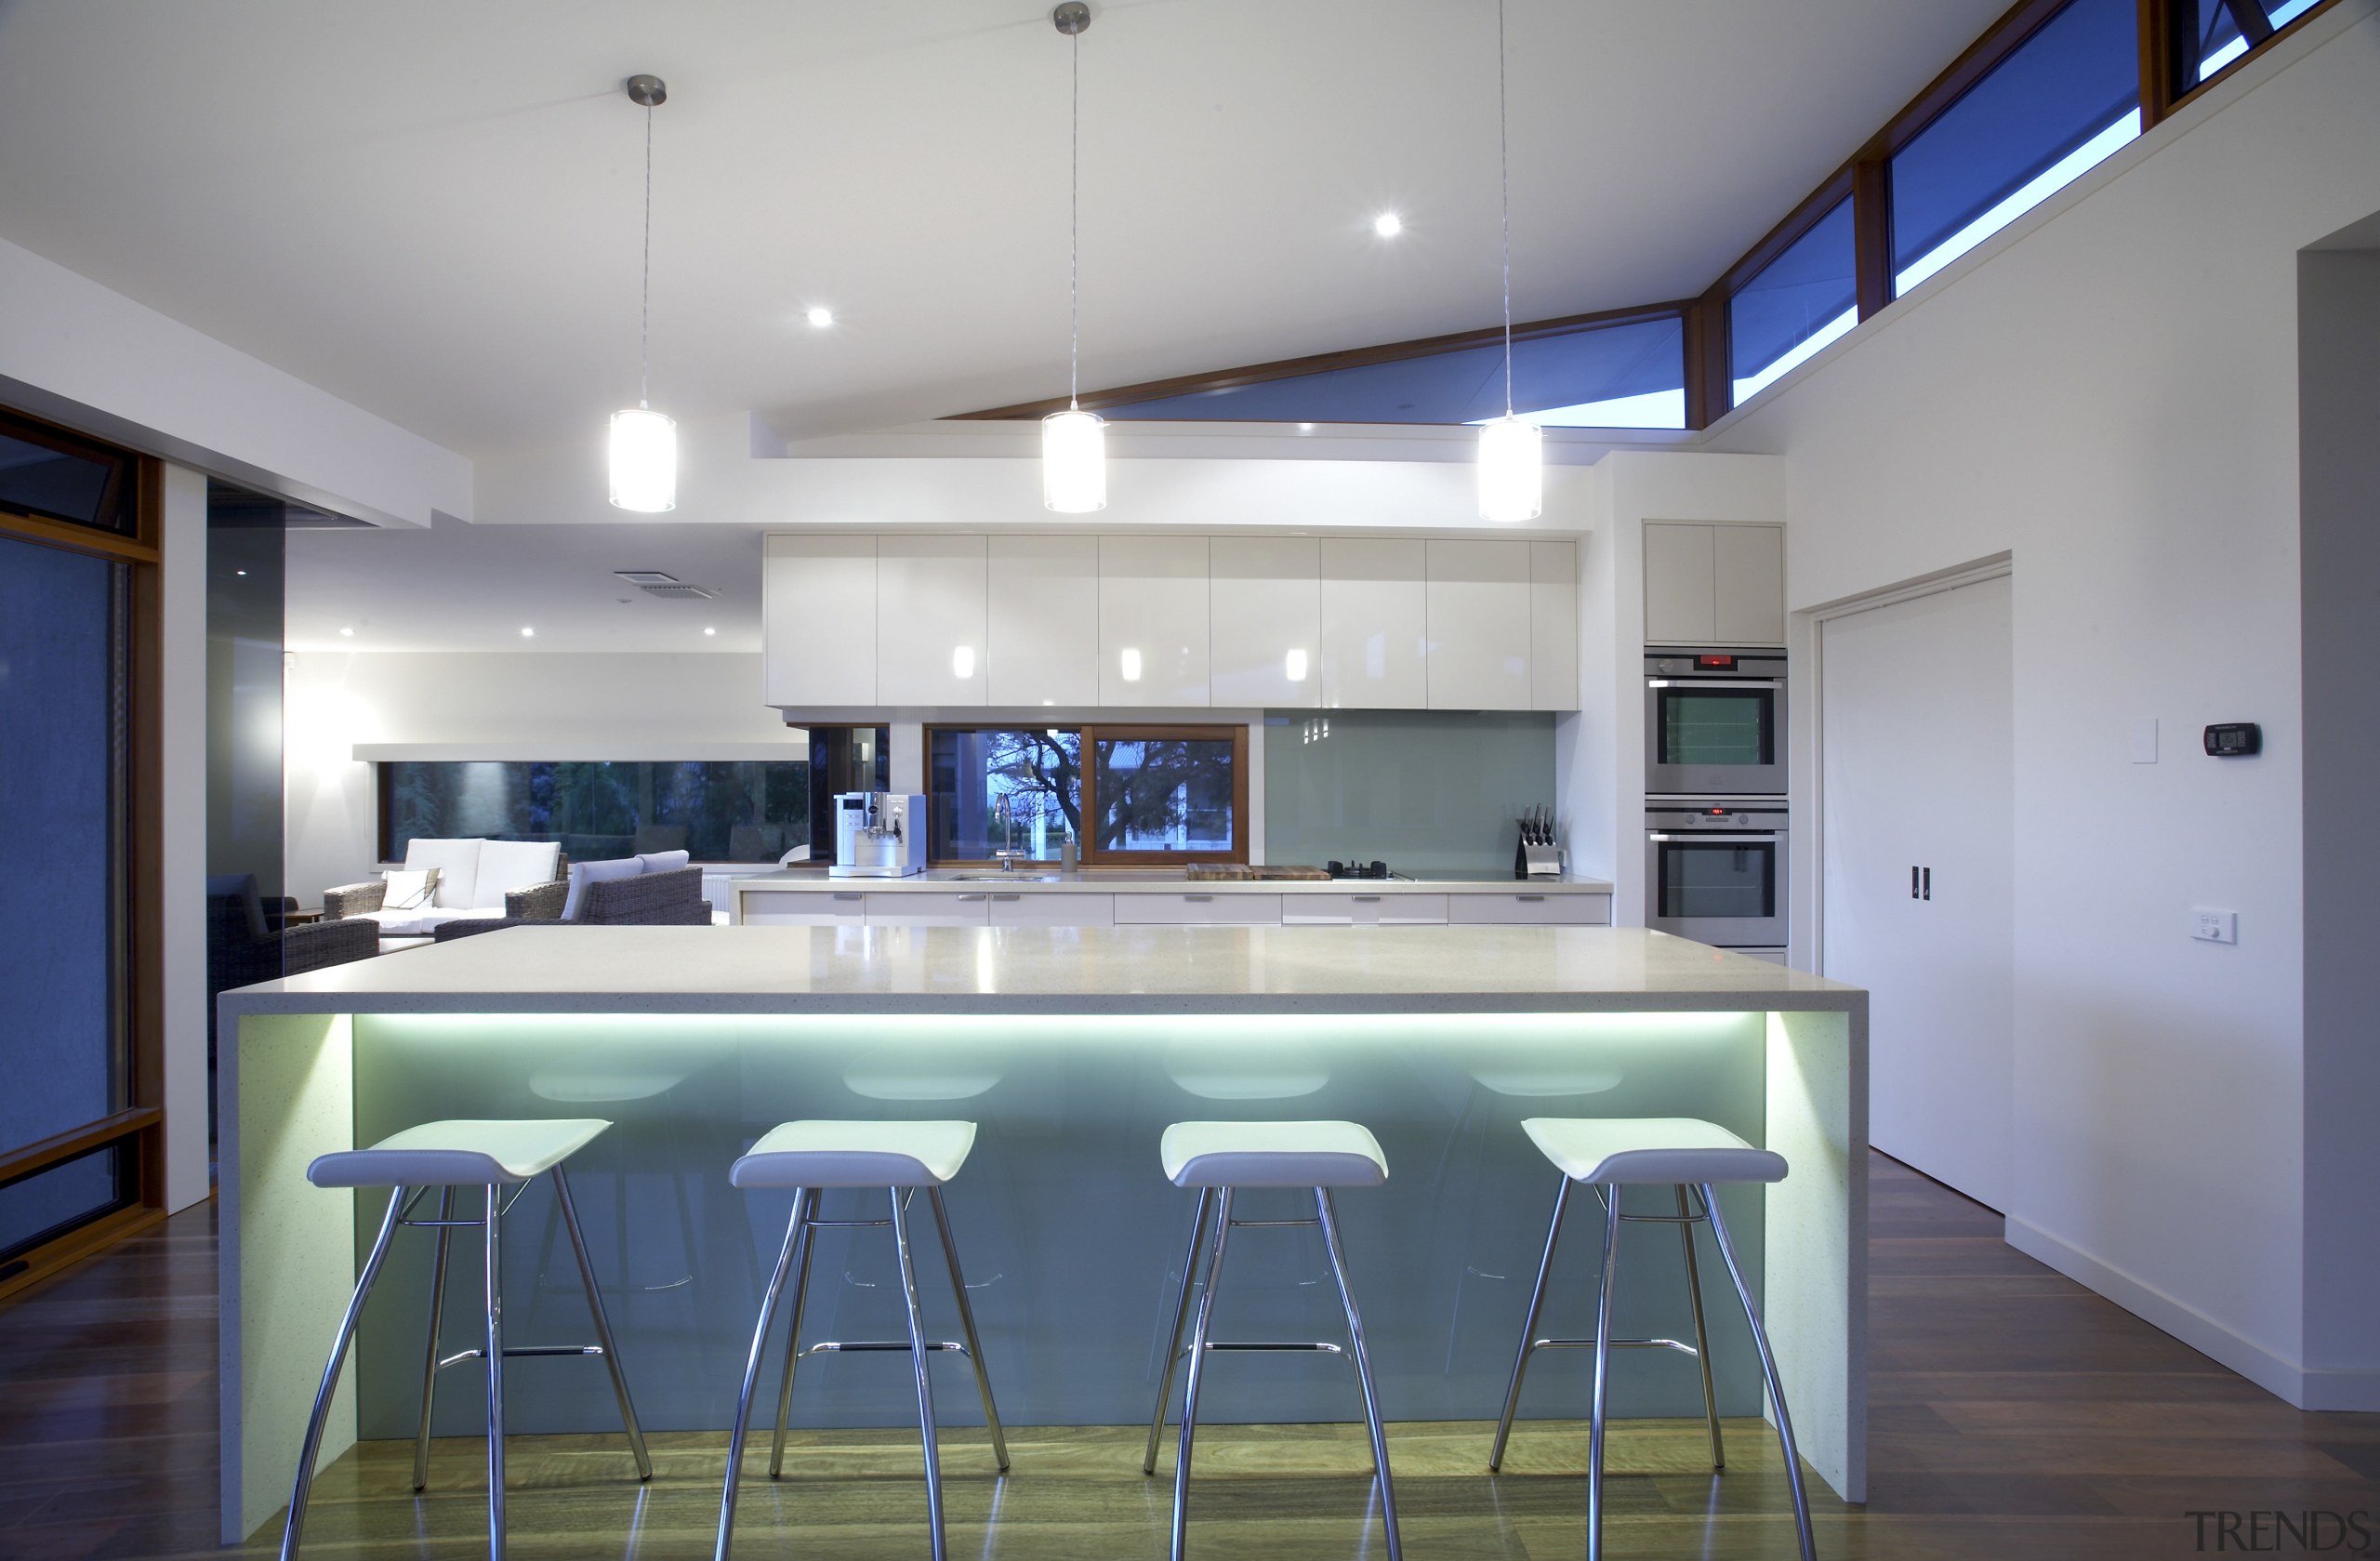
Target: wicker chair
[
  {"x": 247, "y": 940},
  {"x": 671, "y": 899},
  {"x": 541, "y": 902}
]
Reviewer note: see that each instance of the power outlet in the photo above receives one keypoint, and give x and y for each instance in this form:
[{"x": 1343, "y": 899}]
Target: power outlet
[{"x": 2214, "y": 926}]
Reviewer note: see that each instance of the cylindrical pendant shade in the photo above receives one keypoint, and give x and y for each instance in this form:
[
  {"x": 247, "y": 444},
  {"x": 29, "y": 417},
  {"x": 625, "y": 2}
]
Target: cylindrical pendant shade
[
  {"x": 644, "y": 461},
  {"x": 1512, "y": 470},
  {"x": 1074, "y": 462}
]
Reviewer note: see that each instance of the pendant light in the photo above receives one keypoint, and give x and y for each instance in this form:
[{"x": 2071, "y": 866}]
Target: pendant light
[
  {"x": 1512, "y": 455},
  {"x": 1074, "y": 443},
  {"x": 645, "y": 443}
]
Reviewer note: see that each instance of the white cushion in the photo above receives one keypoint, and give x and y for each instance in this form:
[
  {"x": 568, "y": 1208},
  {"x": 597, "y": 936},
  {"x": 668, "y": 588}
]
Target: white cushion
[
  {"x": 663, "y": 861},
  {"x": 406, "y": 890},
  {"x": 1273, "y": 1155},
  {"x": 421, "y": 923},
  {"x": 1622, "y": 1150},
  {"x": 824, "y": 1154},
  {"x": 584, "y": 873},
  {"x": 459, "y": 868},
  {"x": 453, "y": 1153},
  {"x": 509, "y": 864}
]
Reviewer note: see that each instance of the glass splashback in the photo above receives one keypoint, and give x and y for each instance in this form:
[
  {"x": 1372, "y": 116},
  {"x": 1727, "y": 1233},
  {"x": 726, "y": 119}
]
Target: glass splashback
[{"x": 1432, "y": 793}]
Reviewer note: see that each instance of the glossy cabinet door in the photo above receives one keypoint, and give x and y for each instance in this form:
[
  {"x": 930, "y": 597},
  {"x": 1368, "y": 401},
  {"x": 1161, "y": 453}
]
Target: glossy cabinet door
[
  {"x": 805, "y": 907},
  {"x": 1554, "y": 625},
  {"x": 1479, "y": 625},
  {"x": 1748, "y": 585},
  {"x": 1521, "y": 908},
  {"x": 1680, "y": 604},
  {"x": 1375, "y": 624},
  {"x": 1309, "y": 909},
  {"x": 818, "y": 620},
  {"x": 928, "y": 909},
  {"x": 930, "y": 592},
  {"x": 1043, "y": 620},
  {"x": 1024, "y": 909},
  {"x": 1264, "y": 618},
  {"x": 1198, "y": 910},
  {"x": 1152, "y": 627}
]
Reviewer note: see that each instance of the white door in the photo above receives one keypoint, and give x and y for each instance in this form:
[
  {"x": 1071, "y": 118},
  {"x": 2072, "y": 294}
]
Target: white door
[{"x": 1916, "y": 727}]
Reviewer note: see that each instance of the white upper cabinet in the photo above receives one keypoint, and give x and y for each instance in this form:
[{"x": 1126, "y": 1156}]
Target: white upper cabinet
[
  {"x": 1044, "y": 620},
  {"x": 1152, "y": 627},
  {"x": 1479, "y": 625},
  {"x": 1265, "y": 618},
  {"x": 1375, "y": 624},
  {"x": 1713, "y": 584},
  {"x": 1554, "y": 625},
  {"x": 931, "y": 645},
  {"x": 818, "y": 620},
  {"x": 1748, "y": 580}
]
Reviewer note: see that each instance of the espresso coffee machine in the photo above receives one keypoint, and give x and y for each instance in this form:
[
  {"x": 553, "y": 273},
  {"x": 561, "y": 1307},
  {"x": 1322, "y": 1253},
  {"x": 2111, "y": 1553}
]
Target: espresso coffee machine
[{"x": 878, "y": 834}]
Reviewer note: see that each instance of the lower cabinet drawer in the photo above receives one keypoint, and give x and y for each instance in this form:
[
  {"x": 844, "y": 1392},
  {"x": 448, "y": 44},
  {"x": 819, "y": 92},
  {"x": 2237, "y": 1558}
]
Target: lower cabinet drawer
[
  {"x": 1530, "y": 910},
  {"x": 1026, "y": 908},
  {"x": 926, "y": 910},
  {"x": 1198, "y": 910},
  {"x": 805, "y": 907},
  {"x": 1363, "y": 910}
]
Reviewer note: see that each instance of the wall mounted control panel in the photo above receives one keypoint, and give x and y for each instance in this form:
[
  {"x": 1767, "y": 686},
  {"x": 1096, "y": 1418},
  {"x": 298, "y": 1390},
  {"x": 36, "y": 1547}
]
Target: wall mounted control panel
[{"x": 2238, "y": 739}]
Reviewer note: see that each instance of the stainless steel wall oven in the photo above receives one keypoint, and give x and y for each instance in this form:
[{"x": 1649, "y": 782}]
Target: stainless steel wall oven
[
  {"x": 1714, "y": 723},
  {"x": 1715, "y": 871}
]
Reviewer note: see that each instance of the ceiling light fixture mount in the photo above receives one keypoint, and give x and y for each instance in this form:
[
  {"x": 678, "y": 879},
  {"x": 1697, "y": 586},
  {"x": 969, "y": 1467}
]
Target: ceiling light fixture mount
[
  {"x": 645, "y": 443},
  {"x": 1512, "y": 453},
  {"x": 1074, "y": 443}
]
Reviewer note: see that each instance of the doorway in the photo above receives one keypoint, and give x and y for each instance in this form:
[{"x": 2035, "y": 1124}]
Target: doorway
[{"x": 1917, "y": 857}]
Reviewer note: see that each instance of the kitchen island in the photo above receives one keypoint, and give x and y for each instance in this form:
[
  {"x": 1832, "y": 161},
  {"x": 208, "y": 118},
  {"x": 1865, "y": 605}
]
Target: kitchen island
[{"x": 1073, "y": 1048}]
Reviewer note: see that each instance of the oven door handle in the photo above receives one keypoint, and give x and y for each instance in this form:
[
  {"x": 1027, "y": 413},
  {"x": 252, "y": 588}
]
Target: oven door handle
[
  {"x": 1714, "y": 836},
  {"x": 1714, "y": 682}
]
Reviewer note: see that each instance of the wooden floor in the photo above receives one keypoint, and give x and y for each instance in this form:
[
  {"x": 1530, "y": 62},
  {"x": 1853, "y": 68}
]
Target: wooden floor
[{"x": 2014, "y": 1415}]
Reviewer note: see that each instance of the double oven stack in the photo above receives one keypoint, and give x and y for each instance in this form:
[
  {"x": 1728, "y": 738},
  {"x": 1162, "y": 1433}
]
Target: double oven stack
[{"x": 1714, "y": 798}]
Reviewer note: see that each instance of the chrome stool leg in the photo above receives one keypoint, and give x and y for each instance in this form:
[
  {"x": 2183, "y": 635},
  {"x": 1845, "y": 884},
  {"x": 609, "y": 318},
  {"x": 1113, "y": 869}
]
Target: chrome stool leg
[
  {"x": 312, "y": 1446},
  {"x": 1767, "y": 1371},
  {"x": 430, "y": 1357},
  {"x": 967, "y": 1327},
  {"x": 1701, "y": 1335},
  {"x": 603, "y": 1324},
  {"x": 1181, "y": 1317},
  {"x": 494, "y": 1371},
  {"x": 1609, "y": 1273},
  {"x": 796, "y": 1232},
  {"x": 792, "y": 1354},
  {"x": 1528, "y": 1330},
  {"x": 924, "y": 1377},
  {"x": 1329, "y": 1216},
  {"x": 1197, "y": 1370}
]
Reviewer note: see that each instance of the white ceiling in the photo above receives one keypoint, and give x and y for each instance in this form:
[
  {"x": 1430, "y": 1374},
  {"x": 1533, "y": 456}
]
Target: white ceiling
[{"x": 430, "y": 209}]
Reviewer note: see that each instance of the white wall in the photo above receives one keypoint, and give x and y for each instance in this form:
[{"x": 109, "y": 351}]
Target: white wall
[
  {"x": 496, "y": 705},
  {"x": 2108, "y": 391},
  {"x": 183, "y": 835}
]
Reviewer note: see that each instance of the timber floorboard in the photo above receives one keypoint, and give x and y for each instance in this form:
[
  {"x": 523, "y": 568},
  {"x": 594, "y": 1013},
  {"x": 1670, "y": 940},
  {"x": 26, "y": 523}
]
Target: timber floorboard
[{"x": 2013, "y": 1414}]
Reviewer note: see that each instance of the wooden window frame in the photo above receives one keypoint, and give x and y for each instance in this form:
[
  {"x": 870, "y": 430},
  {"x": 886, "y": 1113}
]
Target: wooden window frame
[
  {"x": 138, "y": 1123},
  {"x": 1092, "y": 733}
]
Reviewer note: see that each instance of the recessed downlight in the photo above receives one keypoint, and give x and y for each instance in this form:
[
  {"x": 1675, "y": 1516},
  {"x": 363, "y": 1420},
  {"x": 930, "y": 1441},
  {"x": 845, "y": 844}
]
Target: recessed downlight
[
  {"x": 820, "y": 316},
  {"x": 527, "y": 634},
  {"x": 347, "y": 633},
  {"x": 1388, "y": 225},
  {"x": 710, "y": 632}
]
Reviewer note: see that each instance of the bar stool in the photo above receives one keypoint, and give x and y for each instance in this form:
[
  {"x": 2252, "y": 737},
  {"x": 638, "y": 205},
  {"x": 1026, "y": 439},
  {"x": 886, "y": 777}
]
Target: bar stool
[
  {"x": 1612, "y": 1153},
  {"x": 493, "y": 1155},
  {"x": 1218, "y": 1159},
  {"x": 899, "y": 1157}
]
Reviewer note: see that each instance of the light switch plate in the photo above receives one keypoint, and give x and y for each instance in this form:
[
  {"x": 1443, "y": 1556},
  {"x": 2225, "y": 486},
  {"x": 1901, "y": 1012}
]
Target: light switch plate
[{"x": 2214, "y": 926}]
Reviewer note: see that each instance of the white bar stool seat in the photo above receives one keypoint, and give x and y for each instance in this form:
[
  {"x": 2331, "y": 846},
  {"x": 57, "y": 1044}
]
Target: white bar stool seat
[
  {"x": 811, "y": 1156},
  {"x": 1218, "y": 1159},
  {"x": 1613, "y": 1153},
  {"x": 493, "y": 1156}
]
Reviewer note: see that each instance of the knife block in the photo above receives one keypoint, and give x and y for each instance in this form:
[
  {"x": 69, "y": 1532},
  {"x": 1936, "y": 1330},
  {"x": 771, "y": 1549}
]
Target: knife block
[{"x": 1537, "y": 861}]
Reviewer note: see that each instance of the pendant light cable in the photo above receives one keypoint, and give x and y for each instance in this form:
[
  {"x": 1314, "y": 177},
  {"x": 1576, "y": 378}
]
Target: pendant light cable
[
  {"x": 644, "y": 339},
  {"x": 1504, "y": 198},
  {"x": 1074, "y": 231}
]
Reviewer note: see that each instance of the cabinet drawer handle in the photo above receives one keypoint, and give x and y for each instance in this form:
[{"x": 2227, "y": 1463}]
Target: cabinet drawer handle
[
  {"x": 1199, "y": 897},
  {"x": 850, "y": 896},
  {"x": 969, "y": 899},
  {"x": 1529, "y": 899},
  {"x": 1006, "y": 898},
  {"x": 1366, "y": 899}
]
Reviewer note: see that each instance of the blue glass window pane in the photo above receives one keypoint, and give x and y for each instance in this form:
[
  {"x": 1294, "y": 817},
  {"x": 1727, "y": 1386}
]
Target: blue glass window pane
[
  {"x": 54, "y": 1200},
  {"x": 752, "y": 811},
  {"x": 2220, "y": 41},
  {"x": 59, "y": 746},
  {"x": 1016, "y": 791},
  {"x": 2065, "y": 100},
  {"x": 1625, "y": 376},
  {"x": 1794, "y": 305}
]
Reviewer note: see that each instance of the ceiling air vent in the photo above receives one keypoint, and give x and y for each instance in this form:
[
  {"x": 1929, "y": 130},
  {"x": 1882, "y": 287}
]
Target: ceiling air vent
[{"x": 652, "y": 582}]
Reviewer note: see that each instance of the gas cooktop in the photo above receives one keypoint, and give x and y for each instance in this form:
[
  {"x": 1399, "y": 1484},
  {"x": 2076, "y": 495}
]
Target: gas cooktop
[{"x": 1363, "y": 869}]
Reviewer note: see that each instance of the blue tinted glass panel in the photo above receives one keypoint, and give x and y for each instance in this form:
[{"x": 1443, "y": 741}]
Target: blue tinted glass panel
[
  {"x": 1016, "y": 791},
  {"x": 2067, "y": 97},
  {"x": 1794, "y": 305},
  {"x": 60, "y": 726},
  {"x": 1626, "y": 375},
  {"x": 752, "y": 812},
  {"x": 52, "y": 1201},
  {"x": 1163, "y": 794},
  {"x": 2219, "y": 40}
]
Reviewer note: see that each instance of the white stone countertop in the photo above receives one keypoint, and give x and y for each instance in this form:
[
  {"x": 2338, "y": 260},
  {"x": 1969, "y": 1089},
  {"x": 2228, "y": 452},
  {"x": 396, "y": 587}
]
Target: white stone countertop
[
  {"x": 1128, "y": 880},
  {"x": 1035, "y": 969}
]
